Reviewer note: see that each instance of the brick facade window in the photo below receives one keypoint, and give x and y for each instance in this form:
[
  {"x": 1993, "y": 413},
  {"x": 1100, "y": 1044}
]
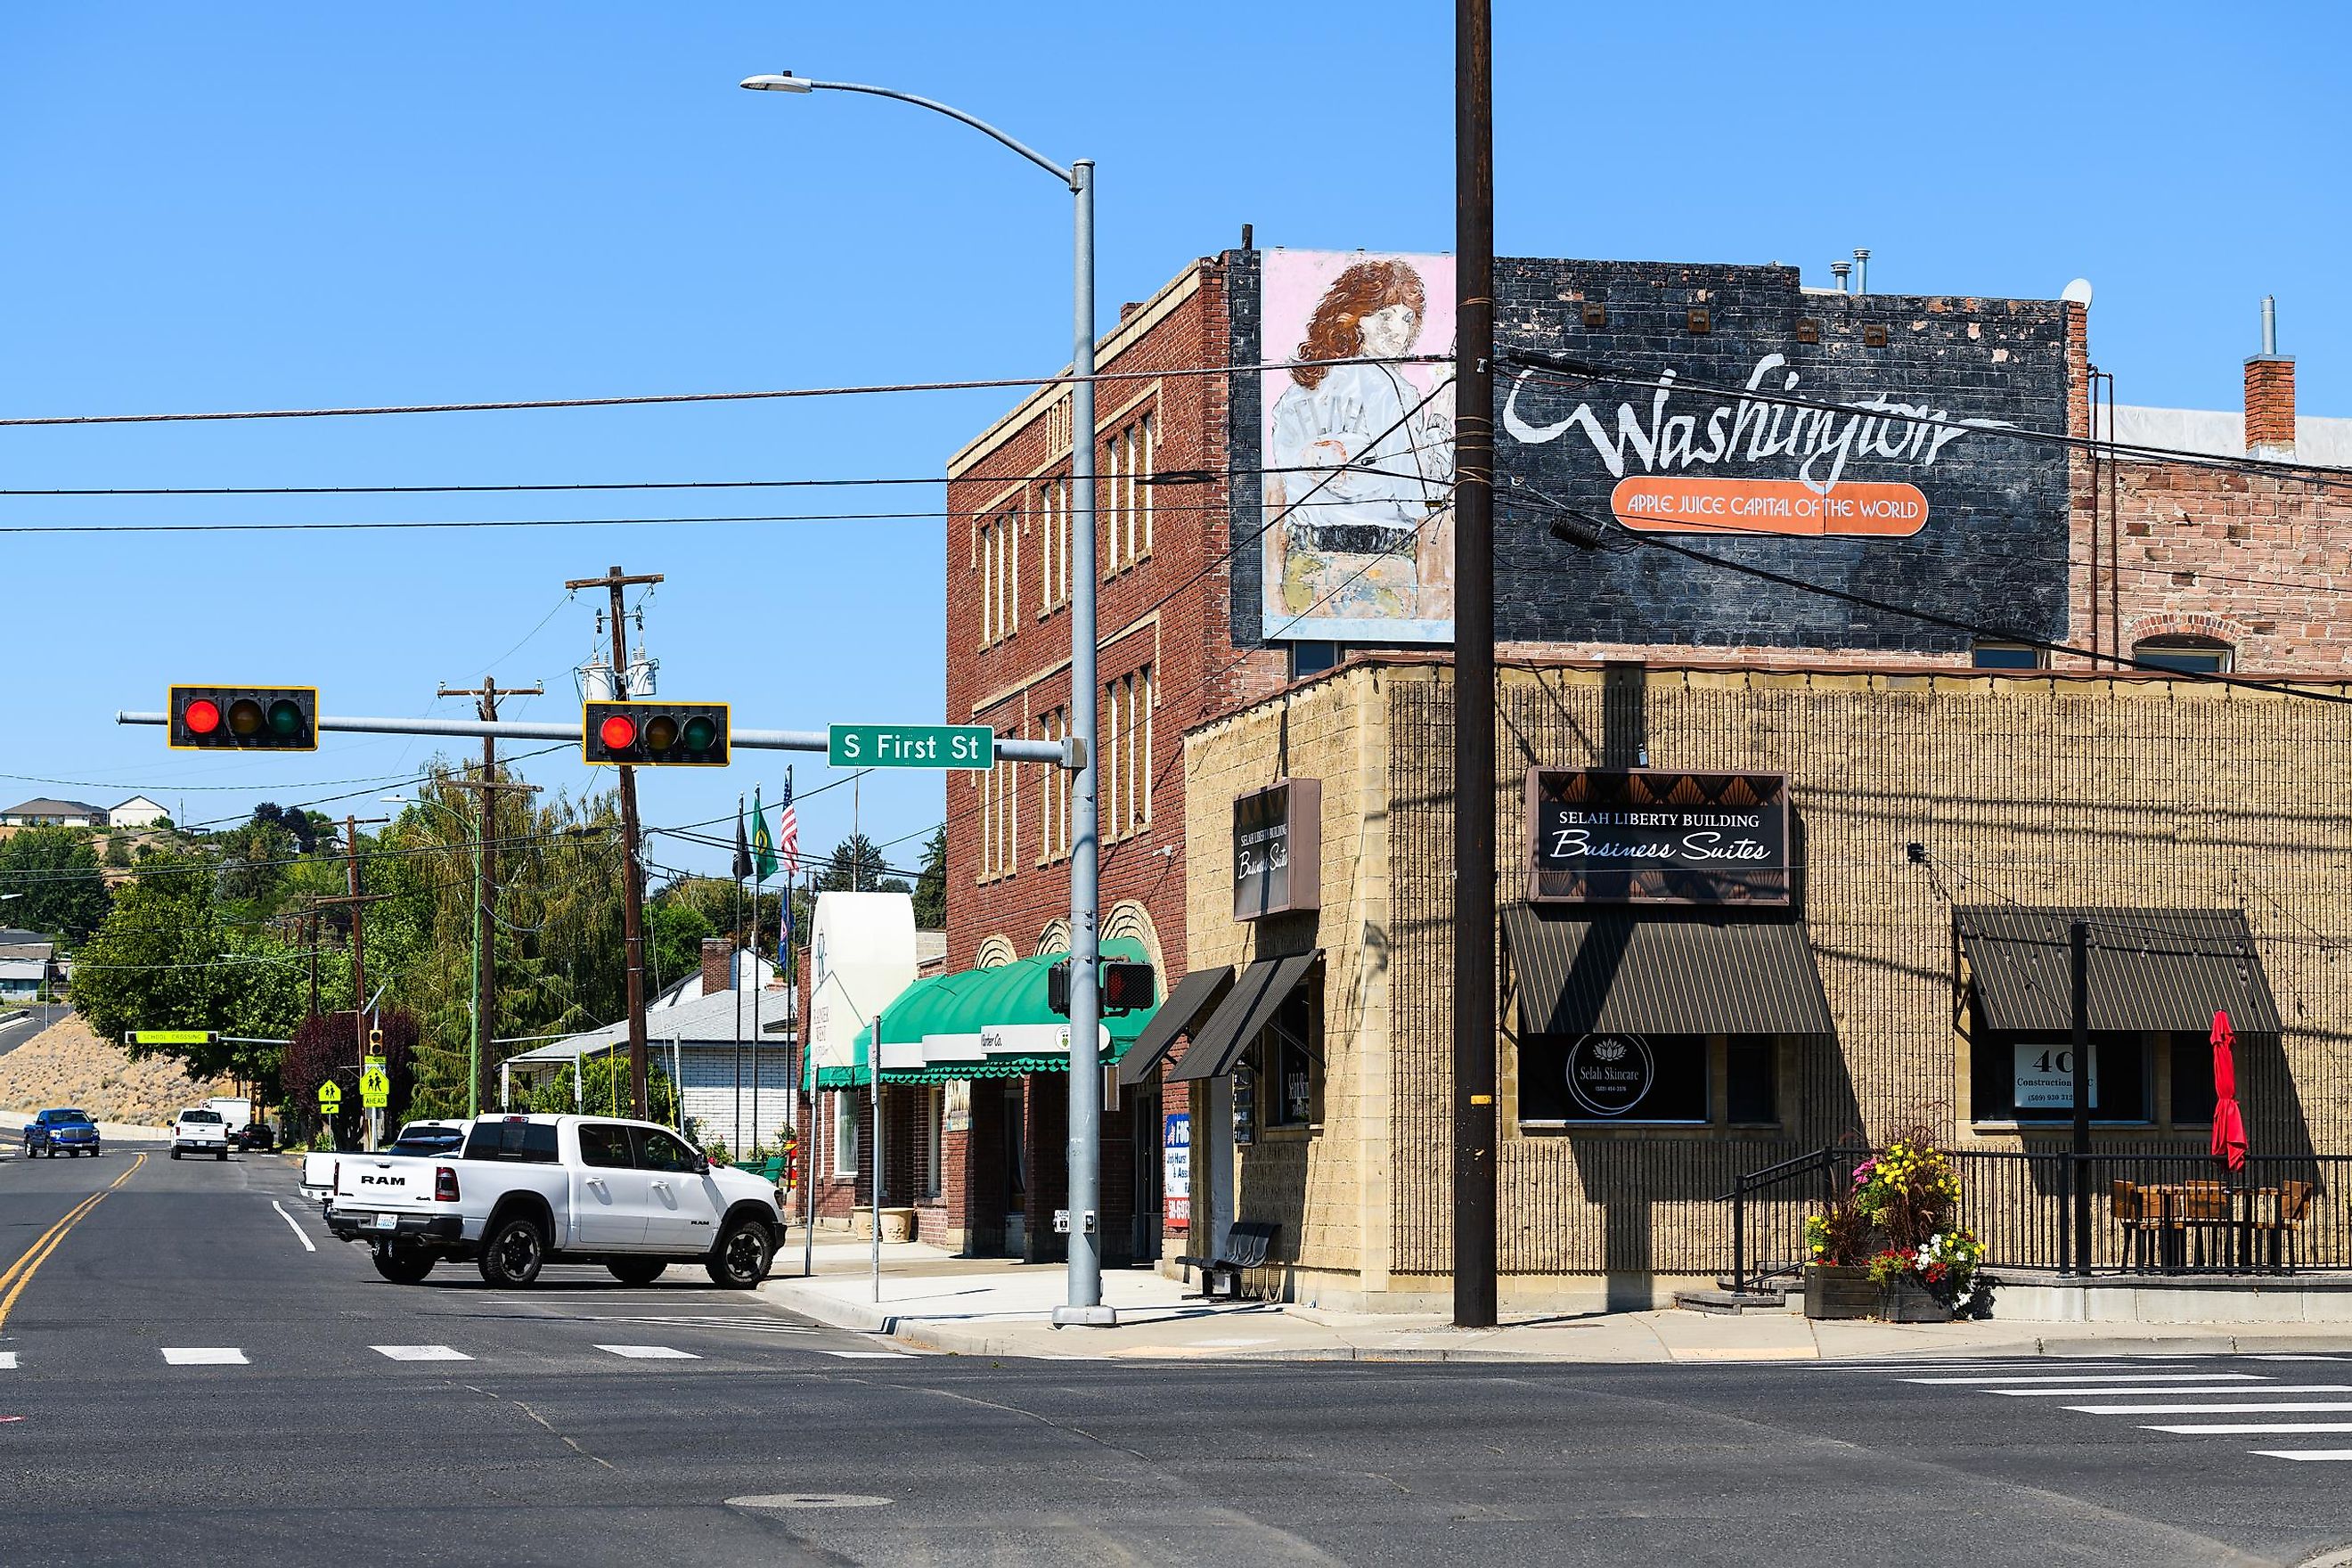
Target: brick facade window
[
  {"x": 1127, "y": 499},
  {"x": 996, "y": 556},
  {"x": 1125, "y": 736},
  {"x": 2197, "y": 656},
  {"x": 1053, "y": 546},
  {"x": 999, "y": 819},
  {"x": 1054, "y": 793}
]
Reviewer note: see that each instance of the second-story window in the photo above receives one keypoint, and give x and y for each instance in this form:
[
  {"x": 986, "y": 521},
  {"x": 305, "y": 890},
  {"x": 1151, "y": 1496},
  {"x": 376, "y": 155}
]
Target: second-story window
[
  {"x": 1053, "y": 793},
  {"x": 1125, "y": 736},
  {"x": 1126, "y": 498},
  {"x": 998, "y": 818},
  {"x": 997, "y": 555},
  {"x": 1053, "y": 546}
]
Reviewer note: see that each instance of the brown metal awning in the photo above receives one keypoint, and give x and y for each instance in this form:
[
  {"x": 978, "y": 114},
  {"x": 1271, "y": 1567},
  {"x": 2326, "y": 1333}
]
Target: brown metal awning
[
  {"x": 1181, "y": 1014},
  {"x": 1663, "y": 976},
  {"x": 2148, "y": 971},
  {"x": 1245, "y": 1011}
]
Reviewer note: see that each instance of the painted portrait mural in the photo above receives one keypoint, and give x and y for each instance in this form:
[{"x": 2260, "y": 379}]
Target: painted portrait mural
[{"x": 1359, "y": 539}]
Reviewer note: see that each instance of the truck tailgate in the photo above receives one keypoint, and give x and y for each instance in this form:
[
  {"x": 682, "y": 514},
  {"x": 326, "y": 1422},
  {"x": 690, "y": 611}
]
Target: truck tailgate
[{"x": 383, "y": 1183}]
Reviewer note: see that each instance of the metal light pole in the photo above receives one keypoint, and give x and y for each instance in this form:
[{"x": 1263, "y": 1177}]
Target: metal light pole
[{"x": 1085, "y": 1305}]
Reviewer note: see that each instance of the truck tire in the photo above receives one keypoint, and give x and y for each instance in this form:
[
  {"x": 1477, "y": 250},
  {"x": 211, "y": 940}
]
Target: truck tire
[
  {"x": 221, "y": 1154},
  {"x": 403, "y": 1265},
  {"x": 636, "y": 1271},
  {"x": 512, "y": 1252},
  {"x": 738, "y": 1261},
  {"x": 175, "y": 1153}
]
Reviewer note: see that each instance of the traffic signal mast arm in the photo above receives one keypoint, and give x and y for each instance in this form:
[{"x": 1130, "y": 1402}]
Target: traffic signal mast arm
[{"x": 1009, "y": 749}]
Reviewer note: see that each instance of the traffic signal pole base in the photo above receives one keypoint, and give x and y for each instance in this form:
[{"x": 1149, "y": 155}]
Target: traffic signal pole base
[{"x": 1086, "y": 1317}]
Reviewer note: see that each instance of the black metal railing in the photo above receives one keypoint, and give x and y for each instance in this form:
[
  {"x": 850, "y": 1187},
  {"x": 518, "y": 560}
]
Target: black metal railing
[{"x": 2156, "y": 1212}]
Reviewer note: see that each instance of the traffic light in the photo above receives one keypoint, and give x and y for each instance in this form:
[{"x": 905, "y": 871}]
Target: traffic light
[
  {"x": 244, "y": 718},
  {"x": 1126, "y": 987},
  {"x": 655, "y": 734}
]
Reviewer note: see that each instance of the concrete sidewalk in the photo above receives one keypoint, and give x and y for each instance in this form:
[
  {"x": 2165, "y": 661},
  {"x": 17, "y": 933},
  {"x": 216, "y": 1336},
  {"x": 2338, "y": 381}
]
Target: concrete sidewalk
[{"x": 977, "y": 1306}]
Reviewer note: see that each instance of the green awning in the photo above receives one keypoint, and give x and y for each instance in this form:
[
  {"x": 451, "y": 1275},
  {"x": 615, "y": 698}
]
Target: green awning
[{"x": 962, "y": 1023}]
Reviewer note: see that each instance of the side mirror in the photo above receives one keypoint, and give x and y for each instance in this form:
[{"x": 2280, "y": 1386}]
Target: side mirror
[{"x": 702, "y": 1164}]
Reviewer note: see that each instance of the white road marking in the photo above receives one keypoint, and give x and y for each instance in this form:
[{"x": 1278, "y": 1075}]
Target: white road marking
[
  {"x": 873, "y": 1355},
  {"x": 2301, "y": 1358},
  {"x": 2117, "y": 1377},
  {"x": 204, "y": 1356},
  {"x": 7, "y": 1360},
  {"x": 649, "y": 1352},
  {"x": 2227, "y": 1390},
  {"x": 307, "y": 1245},
  {"x": 419, "y": 1353},
  {"x": 2244, "y": 1428},
  {"x": 2303, "y": 1405},
  {"x": 2339, "y": 1455}
]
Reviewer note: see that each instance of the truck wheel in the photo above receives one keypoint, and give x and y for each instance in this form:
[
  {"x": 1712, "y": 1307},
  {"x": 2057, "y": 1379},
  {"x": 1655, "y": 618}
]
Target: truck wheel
[
  {"x": 403, "y": 1265},
  {"x": 220, "y": 1154},
  {"x": 636, "y": 1271},
  {"x": 512, "y": 1253},
  {"x": 175, "y": 1153},
  {"x": 740, "y": 1260}
]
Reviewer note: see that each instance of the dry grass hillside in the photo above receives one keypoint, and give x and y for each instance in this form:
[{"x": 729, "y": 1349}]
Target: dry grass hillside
[{"x": 67, "y": 1064}]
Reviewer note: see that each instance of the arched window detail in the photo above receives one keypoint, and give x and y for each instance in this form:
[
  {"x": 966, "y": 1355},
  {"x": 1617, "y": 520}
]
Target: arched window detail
[{"x": 2190, "y": 655}]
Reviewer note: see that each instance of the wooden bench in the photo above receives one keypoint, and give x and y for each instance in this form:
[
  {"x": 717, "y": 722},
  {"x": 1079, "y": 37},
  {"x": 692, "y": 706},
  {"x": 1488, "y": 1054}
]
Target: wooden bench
[{"x": 1247, "y": 1243}]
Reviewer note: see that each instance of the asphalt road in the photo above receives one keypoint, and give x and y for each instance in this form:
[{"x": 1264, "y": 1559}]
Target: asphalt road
[
  {"x": 182, "y": 1378},
  {"x": 17, "y": 1027}
]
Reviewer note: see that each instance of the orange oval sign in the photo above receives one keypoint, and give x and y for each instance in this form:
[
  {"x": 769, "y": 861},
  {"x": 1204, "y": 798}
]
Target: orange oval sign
[{"x": 1663, "y": 504}]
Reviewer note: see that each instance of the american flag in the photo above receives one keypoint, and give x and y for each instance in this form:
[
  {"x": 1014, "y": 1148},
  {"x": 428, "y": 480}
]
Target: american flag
[{"x": 788, "y": 831}]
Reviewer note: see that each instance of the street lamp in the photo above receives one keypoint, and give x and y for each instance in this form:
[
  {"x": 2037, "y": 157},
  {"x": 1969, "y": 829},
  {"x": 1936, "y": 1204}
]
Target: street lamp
[
  {"x": 1085, "y": 1303},
  {"x": 474, "y": 1052}
]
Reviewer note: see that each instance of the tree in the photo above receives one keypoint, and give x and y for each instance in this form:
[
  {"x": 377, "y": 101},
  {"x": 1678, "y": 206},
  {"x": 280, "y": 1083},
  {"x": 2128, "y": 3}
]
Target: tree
[
  {"x": 932, "y": 887},
  {"x": 328, "y": 1046},
  {"x": 56, "y": 871},
  {"x": 855, "y": 866}
]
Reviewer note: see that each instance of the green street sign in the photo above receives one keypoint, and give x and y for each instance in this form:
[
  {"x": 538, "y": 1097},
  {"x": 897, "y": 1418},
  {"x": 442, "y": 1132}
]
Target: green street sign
[
  {"x": 170, "y": 1038},
  {"x": 330, "y": 1098},
  {"x": 911, "y": 746}
]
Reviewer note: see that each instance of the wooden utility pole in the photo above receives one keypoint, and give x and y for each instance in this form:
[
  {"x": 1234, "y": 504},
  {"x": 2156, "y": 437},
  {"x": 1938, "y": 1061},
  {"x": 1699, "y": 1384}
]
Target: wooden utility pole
[
  {"x": 486, "y": 875},
  {"x": 633, "y": 892},
  {"x": 1475, "y": 1153}
]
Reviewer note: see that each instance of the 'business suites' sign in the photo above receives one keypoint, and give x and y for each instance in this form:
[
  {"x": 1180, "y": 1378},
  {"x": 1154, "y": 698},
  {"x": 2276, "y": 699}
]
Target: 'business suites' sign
[
  {"x": 1278, "y": 849},
  {"x": 1652, "y": 836}
]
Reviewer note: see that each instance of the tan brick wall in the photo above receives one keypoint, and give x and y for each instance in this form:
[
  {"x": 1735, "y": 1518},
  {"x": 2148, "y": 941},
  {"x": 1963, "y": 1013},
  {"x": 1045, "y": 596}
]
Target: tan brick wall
[{"x": 2035, "y": 790}]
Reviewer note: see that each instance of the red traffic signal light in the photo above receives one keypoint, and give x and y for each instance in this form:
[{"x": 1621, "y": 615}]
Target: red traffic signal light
[
  {"x": 655, "y": 734},
  {"x": 244, "y": 718},
  {"x": 1126, "y": 987}
]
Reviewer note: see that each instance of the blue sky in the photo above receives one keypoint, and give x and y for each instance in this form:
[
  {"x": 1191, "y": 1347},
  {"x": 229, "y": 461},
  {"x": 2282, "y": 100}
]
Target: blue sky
[{"x": 271, "y": 205}]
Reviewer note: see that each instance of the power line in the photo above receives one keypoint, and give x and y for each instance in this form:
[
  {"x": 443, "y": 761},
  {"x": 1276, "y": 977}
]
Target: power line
[{"x": 657, "y": 399}]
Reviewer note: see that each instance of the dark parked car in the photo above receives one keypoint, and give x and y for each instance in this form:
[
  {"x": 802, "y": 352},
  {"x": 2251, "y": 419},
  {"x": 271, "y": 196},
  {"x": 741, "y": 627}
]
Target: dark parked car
[
  {"x": 61, "y": 1130},
  {"x": 253, "y": 1135}
]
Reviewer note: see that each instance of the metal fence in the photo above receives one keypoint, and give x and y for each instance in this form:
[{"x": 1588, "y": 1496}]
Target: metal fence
[{"x": 2148, "y": 1213}]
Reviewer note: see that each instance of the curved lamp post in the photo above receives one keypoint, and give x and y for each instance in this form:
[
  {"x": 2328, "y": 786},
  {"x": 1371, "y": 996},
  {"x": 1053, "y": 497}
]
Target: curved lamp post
[{"x": 1085, "y": 1303}]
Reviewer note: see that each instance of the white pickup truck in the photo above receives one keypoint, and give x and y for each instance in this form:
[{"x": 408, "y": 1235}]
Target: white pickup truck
[{"x": 530, "y": 1190}]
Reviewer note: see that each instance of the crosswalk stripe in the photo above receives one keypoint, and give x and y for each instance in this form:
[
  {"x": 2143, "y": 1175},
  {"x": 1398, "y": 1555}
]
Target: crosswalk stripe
[
  {"x": 2226, "y": 1391},
  {"x": 650, "y": 1352},
  {"x": 2278, "y": 1357},
  {"x": 873, "y": 1355},
  {"x": 2244, "y": 1429},
  {"x": 7, "y": 1360},
  {"x": 2339, "y": 1456},
  {"x": 2299, "y": 1406},
  {"x": 204, "y": 1355},
  {"x": 419, "y": 1353},
  {"x": 2117, "y": 1377}
]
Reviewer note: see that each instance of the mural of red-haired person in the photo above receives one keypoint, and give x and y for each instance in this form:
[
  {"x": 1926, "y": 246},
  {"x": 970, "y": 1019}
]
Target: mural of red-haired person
[{"x": 1359, "y": 506}]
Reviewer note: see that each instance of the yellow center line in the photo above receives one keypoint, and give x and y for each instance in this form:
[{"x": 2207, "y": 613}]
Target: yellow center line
[{"x": 19, "y": 1274}]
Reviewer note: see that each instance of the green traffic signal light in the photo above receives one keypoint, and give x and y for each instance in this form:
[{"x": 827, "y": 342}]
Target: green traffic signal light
[
  {"x": 285, "y": 719},
  {"x": 701, "y": 732}
]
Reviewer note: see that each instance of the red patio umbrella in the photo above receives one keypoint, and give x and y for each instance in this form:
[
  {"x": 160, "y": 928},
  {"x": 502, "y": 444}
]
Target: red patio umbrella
[{"x": 2229, "y": 1126}]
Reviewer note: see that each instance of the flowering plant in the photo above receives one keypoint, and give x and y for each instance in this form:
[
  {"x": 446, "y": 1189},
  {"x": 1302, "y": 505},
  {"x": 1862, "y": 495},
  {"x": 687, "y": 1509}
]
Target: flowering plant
[{"x": 1896, "y": 1220}]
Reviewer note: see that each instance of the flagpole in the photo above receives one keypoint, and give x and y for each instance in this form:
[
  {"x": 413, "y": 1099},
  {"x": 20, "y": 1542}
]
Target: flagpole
[
  {"x": 732, "y": 937},
  {"x": 758, "y": 878}
]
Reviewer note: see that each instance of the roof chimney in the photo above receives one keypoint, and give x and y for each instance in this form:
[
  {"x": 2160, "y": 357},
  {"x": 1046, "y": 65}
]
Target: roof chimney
[
  {"x": 717, "y": 972},
  {"x": 2270, "y": 393},
  {"x": 1841, "y": 270},
  {"x": 1862, "y": 269}
]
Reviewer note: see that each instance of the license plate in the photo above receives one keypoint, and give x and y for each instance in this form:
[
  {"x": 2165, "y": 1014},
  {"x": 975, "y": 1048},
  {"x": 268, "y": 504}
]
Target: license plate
[{"x": 387, "y": 1221}]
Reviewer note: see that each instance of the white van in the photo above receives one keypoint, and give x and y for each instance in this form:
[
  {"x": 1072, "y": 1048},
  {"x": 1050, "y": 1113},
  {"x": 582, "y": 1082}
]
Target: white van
[{"x": 235, "y": 1112}]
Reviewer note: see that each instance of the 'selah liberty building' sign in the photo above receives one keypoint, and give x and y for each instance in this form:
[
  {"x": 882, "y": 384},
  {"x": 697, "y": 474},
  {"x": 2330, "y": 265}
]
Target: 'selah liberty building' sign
[
  {"x": 1278, "y": 849},
  {"x": 1649, "y": 835}
]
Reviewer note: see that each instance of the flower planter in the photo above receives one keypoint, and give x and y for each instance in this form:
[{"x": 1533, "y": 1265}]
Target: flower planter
[
  {"x": 1841, "y": 1291},
  {"x": 1908, "y": 1301}
]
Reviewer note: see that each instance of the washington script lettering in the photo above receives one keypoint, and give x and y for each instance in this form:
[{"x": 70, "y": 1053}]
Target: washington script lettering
[{"x": 1824, "y": 439}]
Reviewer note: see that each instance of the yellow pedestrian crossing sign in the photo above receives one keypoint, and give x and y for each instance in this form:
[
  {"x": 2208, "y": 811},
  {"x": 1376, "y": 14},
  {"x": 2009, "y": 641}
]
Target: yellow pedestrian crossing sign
[
  {"x": 330, "y": 1098},
  {"x": 375, "y": 1087}
]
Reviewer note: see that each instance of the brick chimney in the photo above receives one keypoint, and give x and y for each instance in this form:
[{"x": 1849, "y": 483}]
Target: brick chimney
[
  {"x": 2270, "y": 394},
  {"x": 718, "y": 973}
]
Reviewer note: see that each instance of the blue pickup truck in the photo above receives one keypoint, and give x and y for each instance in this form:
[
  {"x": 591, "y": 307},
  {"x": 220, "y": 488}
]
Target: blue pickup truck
[{"x": 63, "y": 1131}]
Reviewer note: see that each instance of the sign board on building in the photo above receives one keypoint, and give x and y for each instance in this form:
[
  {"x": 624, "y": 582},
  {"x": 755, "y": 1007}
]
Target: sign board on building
[
  {"x": 1609, "y": 1075},
  {"x": 1653, "y": 835},
  {"x": 1176, "y": 1170},
  {"x": 911, "y": 746},
  {"x": 1277, "y": 861},
  {"x": 2045, "y": 1077},
  {"x": 955, "y": 1110},
  {"x": 1844, "y": 440}
]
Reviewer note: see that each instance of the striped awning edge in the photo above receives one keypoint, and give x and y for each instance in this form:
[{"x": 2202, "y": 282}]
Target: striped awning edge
[
  {"x": 2146, "y": 970},
  {"x": 1623, "y": 972}
]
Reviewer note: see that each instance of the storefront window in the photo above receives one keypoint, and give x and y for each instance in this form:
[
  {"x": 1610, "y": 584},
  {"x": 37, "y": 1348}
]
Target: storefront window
[
  {"x": 2031, "y": 1078},
  {"x": 845, "y": 1132},
  {"x": 1290, "y": 1070},
  {"x": 1622, "y": 1079},
  {"x": 1752, "y": 1080}
]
